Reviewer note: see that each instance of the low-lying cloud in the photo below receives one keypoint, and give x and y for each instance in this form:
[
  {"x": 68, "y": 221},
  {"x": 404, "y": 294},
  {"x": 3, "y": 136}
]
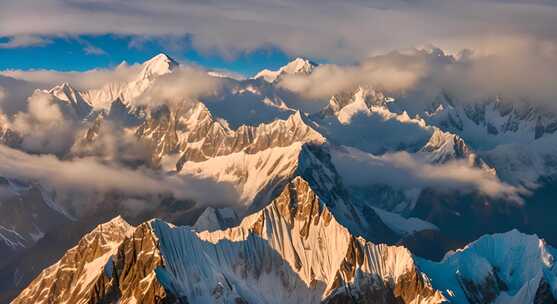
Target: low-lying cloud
[
  {"x": 513, "y": 69},
  {"x": 404, "y": 171},
  {"x": 183, "y": 86},
  {"x": 14, "y": 93},
  {"x": 112, "y": 143},
  {"x": 91, "y": 79},
  {"x": 91, "y": 176},
  {"x": 44, "y": 127},
  {"x": 391, "y": 72}
]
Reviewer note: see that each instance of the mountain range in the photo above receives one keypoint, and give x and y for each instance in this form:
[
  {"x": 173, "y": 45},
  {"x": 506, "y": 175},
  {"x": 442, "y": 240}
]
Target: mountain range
[{"x": 249, "y": 197}]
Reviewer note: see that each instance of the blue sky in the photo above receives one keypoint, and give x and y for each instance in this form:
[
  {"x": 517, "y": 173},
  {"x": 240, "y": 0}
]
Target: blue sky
[{"x": 84, "y": 52}]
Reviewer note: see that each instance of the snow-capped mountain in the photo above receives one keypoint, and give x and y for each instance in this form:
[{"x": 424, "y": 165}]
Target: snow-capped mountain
[
  {"x": 103, "y": 97},
  {"x": 348, "y": 104},
  {"x": 359, "y": 118},
  {"x": 514, "y": 137},
  {"x": 296, "y": 66},
  {"x": 66, "y": 93},
  {"x": 293, "y": 250},
  {"x": 516, "y": 121},
  {"x": 502, "y": 268},
  {"x": 443, "y": 147},
  {"x": 314, "y": 213}
]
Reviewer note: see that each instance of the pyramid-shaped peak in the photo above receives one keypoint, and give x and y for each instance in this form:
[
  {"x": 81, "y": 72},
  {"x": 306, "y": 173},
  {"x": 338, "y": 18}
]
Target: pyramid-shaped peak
[
  {"x": 299, "y": 65},
  {"x": 159, "y": 65},
  {"x": 162, "y": 57},
  {"x": 117, "y": 222}
]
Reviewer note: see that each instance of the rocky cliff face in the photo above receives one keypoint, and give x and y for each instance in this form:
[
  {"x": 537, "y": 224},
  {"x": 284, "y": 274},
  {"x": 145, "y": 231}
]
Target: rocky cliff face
[
  {"x": 73, "y": 278},
  {"x": 196, "y": 136}
]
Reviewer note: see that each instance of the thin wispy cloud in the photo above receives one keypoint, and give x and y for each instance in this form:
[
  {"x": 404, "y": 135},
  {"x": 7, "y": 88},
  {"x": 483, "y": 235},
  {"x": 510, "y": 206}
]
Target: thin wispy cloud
[
  {"x": 90, "y": 79},
  {"x": 93, "y": 50},
  {"x": 23, "y": 41},
  {"x": 90, "y": 176},
  {"x": 403, "y": 170}
]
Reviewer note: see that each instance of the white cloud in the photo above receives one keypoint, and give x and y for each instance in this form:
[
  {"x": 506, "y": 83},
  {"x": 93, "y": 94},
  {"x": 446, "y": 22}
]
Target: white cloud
[
  {"x": 14, "y": 93},
  {"x": 403, "y": 171},
  {"x": 515, "y": 69},
  {"x": 113, "y": 144},
  {"x": 23, "y": 41},
  {"x": 186, "y": 84},
  {"x": 93, "y": 50},
  {"x": 44, "y": 127},
  {"x": 89, "y": 175},
  {"x": 391, "y": 72},
  {"x": 91, "y": 79},
  {"x": 320, "y": 29}
]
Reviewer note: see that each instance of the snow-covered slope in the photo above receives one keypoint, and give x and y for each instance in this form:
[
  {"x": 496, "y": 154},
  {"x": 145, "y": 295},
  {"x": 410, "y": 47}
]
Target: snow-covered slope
[
  {"x": 493, "y": 122},
  {"x": 513, "y": 136},
  {"x": 502, "y": 268},
  {"x": 255, "y": 175},
  {"x": 27, "y": 211},
  {"x": 361, "y": 119},
  {"x": 443, "y": 147},
  {"x": 69, "y": 95},
  {"x": 103, "y": 97}
]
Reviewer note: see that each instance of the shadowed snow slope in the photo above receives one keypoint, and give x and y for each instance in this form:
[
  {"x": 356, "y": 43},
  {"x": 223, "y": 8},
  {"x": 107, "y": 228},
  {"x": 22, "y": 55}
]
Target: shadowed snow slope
[{"x": 502, "y": 268}]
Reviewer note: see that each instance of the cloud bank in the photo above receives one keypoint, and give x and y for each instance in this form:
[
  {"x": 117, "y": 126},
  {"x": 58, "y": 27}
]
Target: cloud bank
[
  {"x": 44, "y": 127},
  {"x": 319, "y": 29},
  {"x": 91, "y": 79},
  {"x": 403, "y": 171},
  {"x": 183, "y": 86},
  {"x": 91, "y": 176},
  {"x": 513, "y": 69}
]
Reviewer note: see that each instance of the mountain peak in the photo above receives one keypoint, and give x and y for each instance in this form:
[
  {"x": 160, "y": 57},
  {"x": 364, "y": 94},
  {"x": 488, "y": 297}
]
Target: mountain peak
[
  {"x": 116, "y": 225},
  {"x": 162, "y": 57},
  {"x": 297, "y": 66},
  {"x": 361, "y": 99},
  {"x": 63, "y": 88},
  {"x": 159, "y": 65},
  {"x": 496, "y": 266}
]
